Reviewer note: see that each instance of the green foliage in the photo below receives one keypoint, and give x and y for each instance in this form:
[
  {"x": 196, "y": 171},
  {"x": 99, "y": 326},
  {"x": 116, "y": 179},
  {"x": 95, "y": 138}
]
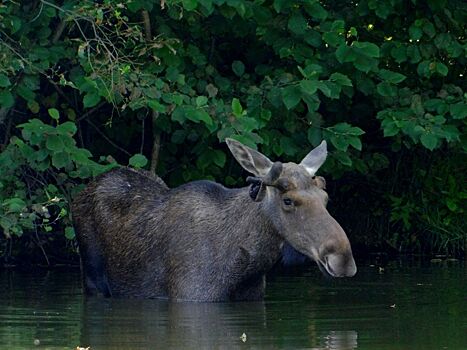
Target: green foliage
[
  {"x": 40, "y": 172},
  {"x": 375, "y": 80}
]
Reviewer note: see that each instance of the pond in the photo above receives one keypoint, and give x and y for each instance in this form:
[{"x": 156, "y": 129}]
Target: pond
[{"x": 402, "y": 306}]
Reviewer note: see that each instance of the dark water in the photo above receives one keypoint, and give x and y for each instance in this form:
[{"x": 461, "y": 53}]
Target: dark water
[{"x": 401, "y": 307}]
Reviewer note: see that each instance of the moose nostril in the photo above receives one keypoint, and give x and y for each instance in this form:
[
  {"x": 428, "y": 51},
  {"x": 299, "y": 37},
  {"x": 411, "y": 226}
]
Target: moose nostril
[
  {"x": 340, "y": 265},
  {"x": 328, "y": 249}
]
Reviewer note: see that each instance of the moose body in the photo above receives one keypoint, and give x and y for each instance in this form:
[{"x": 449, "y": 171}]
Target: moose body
[{"x": 202, "y": 241}]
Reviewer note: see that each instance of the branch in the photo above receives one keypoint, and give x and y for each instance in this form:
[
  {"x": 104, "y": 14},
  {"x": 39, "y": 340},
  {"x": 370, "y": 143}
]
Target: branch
[
  {"x": 142, "y": 135},
  {"x": 107, "y": 139},
  {"x": 91, "y": 111},
  {"x": 156, "y": 146},
  {"x": 147, "y": 24},
  {"x": 58, "y": 32}
]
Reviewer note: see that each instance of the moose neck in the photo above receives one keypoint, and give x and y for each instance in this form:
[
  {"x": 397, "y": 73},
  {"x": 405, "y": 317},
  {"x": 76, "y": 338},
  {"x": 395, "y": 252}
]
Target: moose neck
[{"x": 255, "y": 232}]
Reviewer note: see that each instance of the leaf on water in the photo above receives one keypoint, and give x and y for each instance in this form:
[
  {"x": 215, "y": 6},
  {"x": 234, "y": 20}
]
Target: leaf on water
[{"x": 243, "y": 337}]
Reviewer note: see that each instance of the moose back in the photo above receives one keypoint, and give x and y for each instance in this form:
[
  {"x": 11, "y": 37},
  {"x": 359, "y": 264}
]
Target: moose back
[{"x": 202, "y": 241}]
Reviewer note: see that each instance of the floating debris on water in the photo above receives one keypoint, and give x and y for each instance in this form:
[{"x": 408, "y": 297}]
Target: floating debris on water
[{"x": 243, "y": 337}]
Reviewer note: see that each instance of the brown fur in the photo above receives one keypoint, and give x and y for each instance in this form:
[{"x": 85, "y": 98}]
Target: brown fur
[{"x": 200, "y": 241}]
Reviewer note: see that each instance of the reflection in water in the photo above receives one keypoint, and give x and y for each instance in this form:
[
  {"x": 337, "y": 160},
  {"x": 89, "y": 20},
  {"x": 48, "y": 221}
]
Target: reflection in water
[
  {"x": 341, "y": 340},
  {"x": 140, "y": 324},
  {"x": 301, "y": 311},
  {"x": 160, "y": 324}
]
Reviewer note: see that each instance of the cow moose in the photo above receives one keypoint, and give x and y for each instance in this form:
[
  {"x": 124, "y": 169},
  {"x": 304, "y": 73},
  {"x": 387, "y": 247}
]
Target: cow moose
[{"x": 202, "y": 241}]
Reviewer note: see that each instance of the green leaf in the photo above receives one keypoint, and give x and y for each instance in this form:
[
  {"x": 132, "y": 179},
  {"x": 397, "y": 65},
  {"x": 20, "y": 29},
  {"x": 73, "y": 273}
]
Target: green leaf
[
  {"x": 91, "y": 99},
  {"x": 219, "y": 158},
  {"x": 341, "y": 79},
  {"x": 333, "y": 38},
  {"x": 297, "y": 24},
  {"x": 313, "y": 38},
  {"x": 345, "y": 53},
  {"x": 429, "y": 29},
  {"x": 81, "y": 156},
  {"x": 211, "y": 90},
  {"x": 390, "y": 129},
  {"x": 442, "y": 69},
  {"x": 399, "y": 53},
  {"x": 67, "y": 128},
  {"x": 324, "y": 88},
  {"x": 339, "y": 141},
  {"x": 138, "y": 161},
  {"x": 172, "y": 74},
  {"x": 198, "y": 115},
  {"x": 15, "y": 205},
  {"x": 6, "y": 99},
  {"x": 54, "y": 143},
  {"x": 429, "y": 141},
  {"x": 355, "y": 142},
  {"x": 386, "y": 89},
  {"x": 309, "y": 86},
  {"x": 314, "y": 136},
  {"x": 237, "y": 108},
  {"x": 458, "y": 110},
  {"x": 247, "y": 124},
  {"x": 238, "y": 68},
  {"x": 315, "y": 10},
  {"x": 53, "y": 112},
  {"x": 364, "y": 63},
  {"x": 312, "y": 101},
  {"x": 156, "y": 106},
  {"x": 25, "y": 92},
  {"x": 60, "y": 159},
  {"x": 201, "y": 101},
  {"x": 423, "y": 69},
  {"x": 413, "y": 53},
  {"x": 390, "y": 76},
  {"x": 452, "y": 205},
  {"x": 204, "y": 160},
  {"x": 69, "y": 232},
  {"x": 343, "y": 158},
  {"x": 4, "y": 81},
  {"x": 415, "y": 32},
  {"x": 367, "y": 49},
  {"x": 291, "y": 96},
  {"x": 190, "y": 5}
]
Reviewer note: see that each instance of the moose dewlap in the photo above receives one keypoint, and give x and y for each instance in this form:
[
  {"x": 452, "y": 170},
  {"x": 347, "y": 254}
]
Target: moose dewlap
[{"x": 202, "y": 241}]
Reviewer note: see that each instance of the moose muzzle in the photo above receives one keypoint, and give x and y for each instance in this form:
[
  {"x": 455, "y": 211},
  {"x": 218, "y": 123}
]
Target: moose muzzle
[{"x": 335, "y": 255}]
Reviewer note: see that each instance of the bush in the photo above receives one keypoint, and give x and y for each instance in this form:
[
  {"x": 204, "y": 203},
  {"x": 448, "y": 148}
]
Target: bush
[{"x": 162, "y": 84}]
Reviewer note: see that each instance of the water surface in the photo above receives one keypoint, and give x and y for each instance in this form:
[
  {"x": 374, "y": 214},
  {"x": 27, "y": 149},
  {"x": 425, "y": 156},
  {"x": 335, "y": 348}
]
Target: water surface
[{"x": 400, "y": 307}]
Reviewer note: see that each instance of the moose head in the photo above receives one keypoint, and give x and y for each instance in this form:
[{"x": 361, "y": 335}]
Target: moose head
[{"x": 294, "y": 199}]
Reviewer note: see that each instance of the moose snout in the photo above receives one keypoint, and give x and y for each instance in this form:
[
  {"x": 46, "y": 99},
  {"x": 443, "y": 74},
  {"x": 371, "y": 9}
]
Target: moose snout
[
  {"x": 338, "y": 260},
  {"x": 340, "y": 265}
]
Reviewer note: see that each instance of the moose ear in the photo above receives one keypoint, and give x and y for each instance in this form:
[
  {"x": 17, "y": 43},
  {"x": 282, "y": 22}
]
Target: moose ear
[
  {"x": 313, "y": 161},
  {"x": 251, "y": 160}
]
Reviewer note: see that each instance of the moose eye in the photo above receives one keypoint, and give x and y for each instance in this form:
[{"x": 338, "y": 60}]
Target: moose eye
[{"x": 287, "y": 201}]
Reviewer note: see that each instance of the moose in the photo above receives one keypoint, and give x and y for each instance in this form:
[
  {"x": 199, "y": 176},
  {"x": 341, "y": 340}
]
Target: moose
[{"x": 202, "y": 241}]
